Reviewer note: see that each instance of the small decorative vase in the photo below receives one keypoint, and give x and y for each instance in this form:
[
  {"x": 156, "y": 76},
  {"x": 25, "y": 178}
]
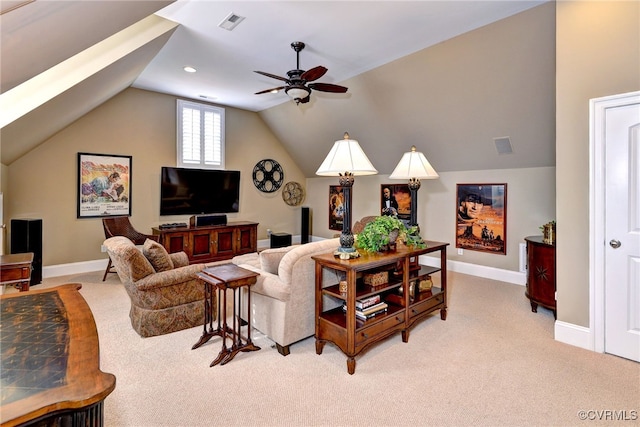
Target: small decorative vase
[{"x": 549, "y": 233}]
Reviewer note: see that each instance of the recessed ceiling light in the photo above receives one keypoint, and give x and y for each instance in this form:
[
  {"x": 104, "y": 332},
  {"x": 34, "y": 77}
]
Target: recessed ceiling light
[{"x": 189, "y": 69}]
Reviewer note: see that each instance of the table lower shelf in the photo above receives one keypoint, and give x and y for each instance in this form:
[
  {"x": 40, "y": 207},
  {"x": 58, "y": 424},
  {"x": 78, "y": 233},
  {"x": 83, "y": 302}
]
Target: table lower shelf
[{"x": 332, "y": 324}]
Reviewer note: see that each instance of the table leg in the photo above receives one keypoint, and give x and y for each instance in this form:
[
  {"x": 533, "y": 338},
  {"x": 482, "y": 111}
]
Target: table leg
[
  {"x": 24, "y": 286},
  {"x": 248, "y": 346},
  {"x": 224, "y": 352},
  {"x": 236, "y": 343},
  {"x": 249, "y": 316},
  {"x": 237, "y": 330},
  {"x": 209, "y": 295},
  {"x": 351, "y": 365}
]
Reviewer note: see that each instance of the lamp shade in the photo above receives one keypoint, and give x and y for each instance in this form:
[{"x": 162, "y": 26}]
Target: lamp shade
[
  {"x": 414, "y": 165},
  {"x": 346, "y": 155}
]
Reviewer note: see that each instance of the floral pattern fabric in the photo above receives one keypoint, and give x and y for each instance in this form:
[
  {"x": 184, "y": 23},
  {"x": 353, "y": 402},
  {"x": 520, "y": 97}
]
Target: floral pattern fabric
[{"x": 161, "y": 302}]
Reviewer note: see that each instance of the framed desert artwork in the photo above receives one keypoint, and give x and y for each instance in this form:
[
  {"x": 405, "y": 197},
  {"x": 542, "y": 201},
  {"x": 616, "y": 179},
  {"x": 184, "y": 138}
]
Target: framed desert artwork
[
  {"x": 336, "y": 207},
  {"x": 104, "y": 185},
  {"x": 481, "y": 213}
]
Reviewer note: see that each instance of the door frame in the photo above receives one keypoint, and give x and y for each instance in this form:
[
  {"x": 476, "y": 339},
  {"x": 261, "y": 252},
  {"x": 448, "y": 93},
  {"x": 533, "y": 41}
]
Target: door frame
[{"x": 597, "y": 206}]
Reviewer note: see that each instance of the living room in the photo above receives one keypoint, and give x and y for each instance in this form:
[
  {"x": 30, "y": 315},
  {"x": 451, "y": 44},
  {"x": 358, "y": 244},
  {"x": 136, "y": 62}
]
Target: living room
[{"x": 574, "y": 61}]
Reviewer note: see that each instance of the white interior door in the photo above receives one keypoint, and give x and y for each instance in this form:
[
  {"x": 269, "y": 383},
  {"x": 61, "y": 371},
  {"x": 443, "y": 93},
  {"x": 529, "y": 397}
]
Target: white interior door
[{"x": 618, "y": 127}]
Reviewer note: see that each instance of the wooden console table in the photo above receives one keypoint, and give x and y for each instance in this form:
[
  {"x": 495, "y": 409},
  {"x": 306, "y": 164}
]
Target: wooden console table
[
  {"x": 50, "y": 360},
  {"x": 406, "y": 304},
  {"x": 211, "y": 243},
  {"x": 15, "y": 270}
]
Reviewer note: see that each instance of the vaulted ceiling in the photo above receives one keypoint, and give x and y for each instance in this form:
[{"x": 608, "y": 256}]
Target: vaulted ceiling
[{"x": 413, "y": 79}]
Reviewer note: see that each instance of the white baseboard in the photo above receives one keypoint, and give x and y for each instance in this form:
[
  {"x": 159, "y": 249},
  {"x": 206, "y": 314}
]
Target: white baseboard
[
  {"x": 578, "y": 336},
  {"x": 493, "y": 273},
  {"x": 74, "y": 268}
]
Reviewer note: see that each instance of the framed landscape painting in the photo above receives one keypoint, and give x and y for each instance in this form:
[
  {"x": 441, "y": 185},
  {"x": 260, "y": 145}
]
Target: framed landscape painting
[
  {"x": 336, "y": 207},
  {"x": 481, "y": 223},
  {"x": 104, "y": 185}
]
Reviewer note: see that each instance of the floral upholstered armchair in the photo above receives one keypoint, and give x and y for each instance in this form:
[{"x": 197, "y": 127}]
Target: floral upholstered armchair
[{"x": 165, "y": 294}]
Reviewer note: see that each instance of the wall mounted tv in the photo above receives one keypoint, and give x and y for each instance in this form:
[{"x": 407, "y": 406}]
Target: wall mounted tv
[{"x": 186, "y": 191}]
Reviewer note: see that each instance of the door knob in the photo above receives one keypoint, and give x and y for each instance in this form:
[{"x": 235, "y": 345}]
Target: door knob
[{"x": 615, "y": 244}]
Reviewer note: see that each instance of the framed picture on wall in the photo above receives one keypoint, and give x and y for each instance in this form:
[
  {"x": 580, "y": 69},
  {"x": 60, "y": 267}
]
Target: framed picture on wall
[
  {"x": 395, "y": 200},
  {"x": 336, "y": 207},
  {"x": 104, "y": 185},
  {"x": 481, "y": 213}
]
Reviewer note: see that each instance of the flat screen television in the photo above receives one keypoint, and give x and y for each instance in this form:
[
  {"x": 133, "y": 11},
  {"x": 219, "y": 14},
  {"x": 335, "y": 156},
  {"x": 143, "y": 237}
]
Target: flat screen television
[{"x": 185, "y": 191}]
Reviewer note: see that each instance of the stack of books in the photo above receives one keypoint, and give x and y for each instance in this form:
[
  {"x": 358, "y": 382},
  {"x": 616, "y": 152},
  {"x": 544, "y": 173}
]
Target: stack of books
[{"x": 369, "y": 307}]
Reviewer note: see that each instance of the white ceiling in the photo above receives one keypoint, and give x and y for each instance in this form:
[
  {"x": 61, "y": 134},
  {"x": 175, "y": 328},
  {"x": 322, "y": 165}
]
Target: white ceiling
[
  {"x": 347, "y": 37},
  {"x": 44, "y": 42}
]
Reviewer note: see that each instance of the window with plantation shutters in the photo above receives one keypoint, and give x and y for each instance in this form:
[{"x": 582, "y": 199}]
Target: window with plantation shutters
[{"x": 200, "y": 135}]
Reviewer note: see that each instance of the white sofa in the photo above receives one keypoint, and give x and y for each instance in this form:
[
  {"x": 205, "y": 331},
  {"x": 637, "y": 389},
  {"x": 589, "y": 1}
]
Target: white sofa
[{"x": 283, "y": 298}]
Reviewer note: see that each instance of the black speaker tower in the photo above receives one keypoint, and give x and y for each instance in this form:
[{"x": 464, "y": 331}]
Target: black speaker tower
[
  {"x": 305, "y": 234},
  {"x": 26, "y": 236}
]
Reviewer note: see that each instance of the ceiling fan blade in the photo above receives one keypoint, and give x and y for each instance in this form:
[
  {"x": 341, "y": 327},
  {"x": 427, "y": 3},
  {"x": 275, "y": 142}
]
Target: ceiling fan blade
[
  {"x": 328, "y": 87},
  {"x": 273, "y": 89},
  {"x": 314, "y": 73},
  {"x": 273, "y": 76}
]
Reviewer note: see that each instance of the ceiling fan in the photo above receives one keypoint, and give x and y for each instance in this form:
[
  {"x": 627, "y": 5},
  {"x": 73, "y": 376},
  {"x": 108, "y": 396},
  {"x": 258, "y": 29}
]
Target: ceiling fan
[{"x": 297, "y": 87}]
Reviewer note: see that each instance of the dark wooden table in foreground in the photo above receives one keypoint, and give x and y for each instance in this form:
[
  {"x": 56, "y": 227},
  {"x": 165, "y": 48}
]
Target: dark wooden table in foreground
[{"x": 50, "y": 365}]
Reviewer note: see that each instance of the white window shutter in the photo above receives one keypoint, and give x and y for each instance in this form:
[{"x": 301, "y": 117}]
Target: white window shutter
[{"x": 200, "y": 135}]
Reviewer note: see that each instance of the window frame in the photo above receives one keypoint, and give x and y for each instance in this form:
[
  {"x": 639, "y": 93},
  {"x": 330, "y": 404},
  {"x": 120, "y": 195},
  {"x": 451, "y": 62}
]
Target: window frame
[{"x": 181, "y": 104}]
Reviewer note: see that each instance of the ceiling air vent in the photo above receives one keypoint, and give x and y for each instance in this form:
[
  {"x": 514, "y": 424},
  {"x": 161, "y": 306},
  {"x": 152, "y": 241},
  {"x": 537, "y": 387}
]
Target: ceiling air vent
[
  {"x": 231, "y": 21},
  {"x": 503, "y": 145}
]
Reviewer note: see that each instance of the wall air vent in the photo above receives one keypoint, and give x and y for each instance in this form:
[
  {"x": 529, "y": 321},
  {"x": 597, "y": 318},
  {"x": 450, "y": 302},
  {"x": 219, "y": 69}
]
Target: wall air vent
[{"x": 231, "y": 21}]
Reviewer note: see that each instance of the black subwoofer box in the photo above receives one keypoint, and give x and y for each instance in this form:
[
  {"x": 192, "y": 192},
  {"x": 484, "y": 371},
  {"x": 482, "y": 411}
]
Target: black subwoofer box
[
  {"x": 26, "y": 236},
  {"x": 280, "y": 240},
  {"x": 305, "y": 233}
]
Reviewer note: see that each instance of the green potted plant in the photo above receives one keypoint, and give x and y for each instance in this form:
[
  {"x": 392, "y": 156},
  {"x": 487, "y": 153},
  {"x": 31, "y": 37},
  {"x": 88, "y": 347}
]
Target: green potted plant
[{"x": 382, "y": 233}]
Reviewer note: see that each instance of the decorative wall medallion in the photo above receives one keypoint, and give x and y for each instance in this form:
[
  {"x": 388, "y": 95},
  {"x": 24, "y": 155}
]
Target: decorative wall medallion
[
  {"x": 268, "y": 175},
  {"x": 292, "y": 193}
]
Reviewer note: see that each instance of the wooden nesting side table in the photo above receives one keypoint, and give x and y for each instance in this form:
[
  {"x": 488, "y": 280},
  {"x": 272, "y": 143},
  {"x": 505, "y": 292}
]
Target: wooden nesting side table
[
  {"x": 223, "y": 277},
  {"x": 15, "y": 270}
]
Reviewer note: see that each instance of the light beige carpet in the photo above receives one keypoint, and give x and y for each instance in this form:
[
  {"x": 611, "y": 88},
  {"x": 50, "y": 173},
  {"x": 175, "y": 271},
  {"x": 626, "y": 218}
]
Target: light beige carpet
[{"x": 491, "y": 363}]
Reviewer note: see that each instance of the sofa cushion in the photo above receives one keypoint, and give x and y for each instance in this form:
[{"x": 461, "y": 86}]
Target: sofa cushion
[
  {"x": 140, "y": 265},
  {"x": 252, "y": 259},
  {"x": 270, "y": 258},
  {"x": 157, "y": 256}
]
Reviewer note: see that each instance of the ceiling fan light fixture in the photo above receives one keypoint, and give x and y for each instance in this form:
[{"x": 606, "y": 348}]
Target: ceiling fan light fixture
[{"x": 297, "y": 93}]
